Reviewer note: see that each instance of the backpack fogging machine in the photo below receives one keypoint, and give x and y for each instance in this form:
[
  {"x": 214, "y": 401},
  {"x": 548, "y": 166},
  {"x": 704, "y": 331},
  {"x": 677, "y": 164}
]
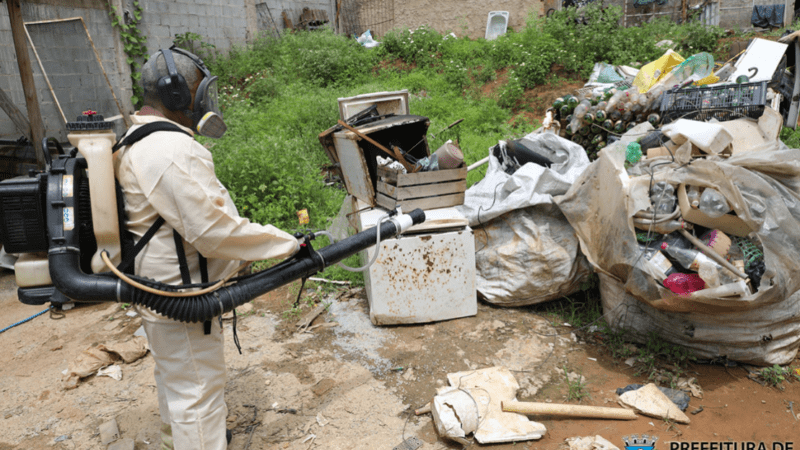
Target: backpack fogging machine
[{"x": 62, "y": 219}]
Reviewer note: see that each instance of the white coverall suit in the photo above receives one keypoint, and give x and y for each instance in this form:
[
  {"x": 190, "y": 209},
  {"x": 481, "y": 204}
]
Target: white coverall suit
[{"x": 169, "y": 174}]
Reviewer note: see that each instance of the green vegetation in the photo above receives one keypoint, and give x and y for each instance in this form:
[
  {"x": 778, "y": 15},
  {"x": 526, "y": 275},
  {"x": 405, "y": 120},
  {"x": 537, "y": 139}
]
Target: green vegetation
[
  {"x": 134, "y": 44},
  {"x": 576, "y": 388},
  {"x": 774, "y": 376}
]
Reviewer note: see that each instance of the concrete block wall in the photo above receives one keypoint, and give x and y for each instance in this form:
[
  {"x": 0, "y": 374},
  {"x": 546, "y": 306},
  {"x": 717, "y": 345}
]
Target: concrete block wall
[
  {"x": 60, "y": 68},
  {"x": 222, "y": 23},
  {"x": 467, "y": 17}
]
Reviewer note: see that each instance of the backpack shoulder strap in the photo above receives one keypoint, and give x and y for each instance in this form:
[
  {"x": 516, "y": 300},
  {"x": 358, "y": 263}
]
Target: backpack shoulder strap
[
  {"x": 144, "y": 131},
  {"x": 129, "y": 249}
]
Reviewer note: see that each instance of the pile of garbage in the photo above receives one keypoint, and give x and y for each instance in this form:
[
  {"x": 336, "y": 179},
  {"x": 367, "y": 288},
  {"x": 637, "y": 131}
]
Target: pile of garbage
[
  {"x": 689, "y": 210},
  {"x": 618, "y": 98}
]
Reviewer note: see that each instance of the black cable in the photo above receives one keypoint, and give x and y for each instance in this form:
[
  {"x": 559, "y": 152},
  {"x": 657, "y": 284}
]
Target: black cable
[{"x": 480, "y": 224}]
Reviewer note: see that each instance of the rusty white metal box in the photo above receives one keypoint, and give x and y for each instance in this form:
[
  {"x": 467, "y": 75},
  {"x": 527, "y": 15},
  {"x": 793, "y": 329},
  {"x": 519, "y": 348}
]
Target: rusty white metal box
[{"x": 424, "y": 277}]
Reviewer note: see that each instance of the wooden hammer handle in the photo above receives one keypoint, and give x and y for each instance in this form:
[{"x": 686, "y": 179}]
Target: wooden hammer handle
[
  {"x": 554, "y": 409},
  {"x": 409, "y": 167}
]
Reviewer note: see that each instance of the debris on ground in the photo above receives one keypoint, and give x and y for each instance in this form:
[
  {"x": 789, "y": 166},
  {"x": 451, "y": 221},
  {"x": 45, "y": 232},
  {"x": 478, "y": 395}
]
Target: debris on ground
[
  {"x": 590, "y": 443},
  {"x": 680, "y": 399},
  {"x": 97, "y": 357},
  {"x": 473, "y": 404},
  {"x": 650, "y": 401}
]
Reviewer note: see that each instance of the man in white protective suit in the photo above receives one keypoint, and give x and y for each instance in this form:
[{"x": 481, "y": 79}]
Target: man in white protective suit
[{"x": 168, "y": 175}]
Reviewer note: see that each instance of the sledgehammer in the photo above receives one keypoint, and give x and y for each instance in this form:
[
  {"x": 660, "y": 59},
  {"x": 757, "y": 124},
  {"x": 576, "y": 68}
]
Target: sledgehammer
[{"x": 554, "y": 409}]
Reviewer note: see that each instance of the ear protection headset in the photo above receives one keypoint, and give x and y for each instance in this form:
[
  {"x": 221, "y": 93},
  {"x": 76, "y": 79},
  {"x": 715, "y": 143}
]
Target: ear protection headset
[
  {"x": 172, "y": 88},
  {"x": 175, "y": 95}
]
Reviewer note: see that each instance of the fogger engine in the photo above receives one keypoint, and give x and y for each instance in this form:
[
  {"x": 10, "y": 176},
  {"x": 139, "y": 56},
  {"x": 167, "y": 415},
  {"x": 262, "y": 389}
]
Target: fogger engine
[
  {"x": 57, "y": 207},
  {"x": 61, "y": 219}
]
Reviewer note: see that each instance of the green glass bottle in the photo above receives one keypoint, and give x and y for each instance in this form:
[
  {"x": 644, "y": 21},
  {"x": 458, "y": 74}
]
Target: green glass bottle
[
  {"x": 565, "y": 111},
  {"x": 608, "y": 125},
  {"x": 654, "y": 119},
  {"x": 600, "y": 116},
  {"x": 558, "y": 103},
  {"x": 630, "y": 126},
  {"x": 619, "y": 126},
  {"x": 573, "y": 102}
]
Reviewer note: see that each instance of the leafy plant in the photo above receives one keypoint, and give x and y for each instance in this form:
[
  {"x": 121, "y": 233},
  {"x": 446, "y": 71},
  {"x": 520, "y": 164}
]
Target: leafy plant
[
  {"x": 776, "y": 375},
  {"x": 134, "y": 45},
  {"x": 193, "y": 42},
  {"x": 700, "y": 38},
  {"x": 576, "y": 389}
]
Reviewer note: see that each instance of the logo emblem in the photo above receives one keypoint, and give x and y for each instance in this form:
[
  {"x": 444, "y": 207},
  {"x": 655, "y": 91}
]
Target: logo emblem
[{"x": 634, "y": 442}]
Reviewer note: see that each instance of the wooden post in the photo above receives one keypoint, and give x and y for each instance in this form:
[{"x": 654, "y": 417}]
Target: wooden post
[
  {"x": 684, "y": 15},
  {"x": 26, "y": 74}
]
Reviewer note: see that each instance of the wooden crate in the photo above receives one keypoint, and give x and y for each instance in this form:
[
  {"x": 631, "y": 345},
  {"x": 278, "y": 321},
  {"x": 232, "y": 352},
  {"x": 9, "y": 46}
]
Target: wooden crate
[{"x": 426, "y": 190}]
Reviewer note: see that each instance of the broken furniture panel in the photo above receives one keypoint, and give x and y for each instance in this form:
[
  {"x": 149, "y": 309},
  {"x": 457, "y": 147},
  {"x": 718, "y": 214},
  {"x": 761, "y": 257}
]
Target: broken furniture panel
[{"x": 357, "y": 157}]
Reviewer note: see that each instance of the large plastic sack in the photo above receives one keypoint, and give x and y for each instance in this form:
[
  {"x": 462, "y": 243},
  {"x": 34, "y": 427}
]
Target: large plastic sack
[
  {"x": 528, "y": 256},
  {"x": 762, "y": 187},
  {"x": 526, "y": 251},
  {"x": 652, "y": 72},
  {"x": 762, "y": 336}
]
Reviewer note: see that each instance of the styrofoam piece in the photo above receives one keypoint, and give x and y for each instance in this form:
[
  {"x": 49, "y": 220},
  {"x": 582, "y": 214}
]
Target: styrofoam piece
[
  {"x": 388, "y": 103},
  {"x": 496, "y": 24},
  {"x": 710, "y": 137},
  {"x": 763, "y": 54}
]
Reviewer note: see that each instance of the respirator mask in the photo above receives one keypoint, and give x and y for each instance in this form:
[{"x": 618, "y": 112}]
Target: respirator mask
[
  {"x": 206, "y": 117},
  {"x": 176, "y": 95}
]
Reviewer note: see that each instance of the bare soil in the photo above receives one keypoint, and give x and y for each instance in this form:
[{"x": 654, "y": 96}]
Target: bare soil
[{"x": 348, "y": 384}]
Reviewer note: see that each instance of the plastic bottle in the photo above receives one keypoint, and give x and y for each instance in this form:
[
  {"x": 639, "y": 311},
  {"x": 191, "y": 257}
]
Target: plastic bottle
[
  {"x": 713, "y": 204},
  {"x": 581, "y": 110},
  {"x": 684, "y": 283},
  {"x": 428, "y": 163},
  {"x": 663, "y": 197},
  {"x": 614, "y": 100},
  {"x": 693, "y": 195},
  {"x": 669, "y": 226},
  {"x": 652, "y": 254},
  {"x": 693, "y": 260}
]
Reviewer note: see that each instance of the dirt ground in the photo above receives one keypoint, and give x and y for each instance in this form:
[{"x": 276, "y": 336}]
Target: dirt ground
[{"x": 350, "y": 385}]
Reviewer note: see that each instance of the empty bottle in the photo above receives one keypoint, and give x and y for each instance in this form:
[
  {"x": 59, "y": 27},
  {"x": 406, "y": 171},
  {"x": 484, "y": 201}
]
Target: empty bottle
[
  {"x": 713, "y": 204},
  {"x": 663, "y": 197},
  {"x": 652, "y": 254},
  {"x": 697, "y": 261},
  {"x": 693, "y": 195}
]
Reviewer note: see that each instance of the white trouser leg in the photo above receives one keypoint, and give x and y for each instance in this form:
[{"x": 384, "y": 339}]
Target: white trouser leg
[{"x": 190, "y": 377}]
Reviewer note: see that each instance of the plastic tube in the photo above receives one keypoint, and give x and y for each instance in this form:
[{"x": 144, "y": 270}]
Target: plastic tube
[
  {"x": 71, "y": 281},
  {"x": 377, "y": 247}
]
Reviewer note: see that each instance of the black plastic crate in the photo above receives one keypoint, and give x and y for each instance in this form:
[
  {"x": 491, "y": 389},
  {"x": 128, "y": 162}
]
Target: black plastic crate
[{"x": 723, "y": 102}]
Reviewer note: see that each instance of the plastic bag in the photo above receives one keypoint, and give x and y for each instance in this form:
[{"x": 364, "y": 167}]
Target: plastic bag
[
  {"x": 652, "y": 72},
  {"x": 762, "y": 188}
]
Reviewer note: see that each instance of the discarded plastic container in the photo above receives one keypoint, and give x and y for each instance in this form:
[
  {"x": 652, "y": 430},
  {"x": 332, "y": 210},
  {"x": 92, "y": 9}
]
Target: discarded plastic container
[
  {"x": 693, "y": 195},
  {"x": 663, "y": 197},
  {"x": 684, "y": 283},
  {"x": 713, "y": 204}
]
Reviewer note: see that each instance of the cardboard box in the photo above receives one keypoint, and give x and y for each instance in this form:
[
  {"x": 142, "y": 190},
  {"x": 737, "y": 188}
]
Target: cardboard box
[{"x": 729, "y": 223}]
